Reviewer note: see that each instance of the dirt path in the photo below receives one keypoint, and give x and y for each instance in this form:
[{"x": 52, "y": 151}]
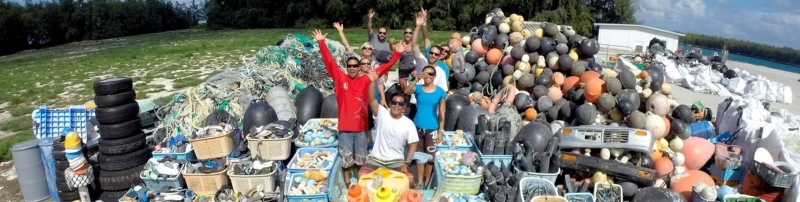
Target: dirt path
[{"x": 9, "y": 187}]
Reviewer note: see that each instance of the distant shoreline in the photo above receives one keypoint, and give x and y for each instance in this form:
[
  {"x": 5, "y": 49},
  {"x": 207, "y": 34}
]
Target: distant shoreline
[{"x": 747, "y": 55}]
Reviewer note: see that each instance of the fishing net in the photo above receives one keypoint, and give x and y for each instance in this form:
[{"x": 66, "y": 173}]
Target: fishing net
[{"x": 293, "y": 64}]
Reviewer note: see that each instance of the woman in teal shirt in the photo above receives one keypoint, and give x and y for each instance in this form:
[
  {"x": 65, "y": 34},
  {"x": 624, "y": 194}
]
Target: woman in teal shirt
[{"x": 429, "y": 119}]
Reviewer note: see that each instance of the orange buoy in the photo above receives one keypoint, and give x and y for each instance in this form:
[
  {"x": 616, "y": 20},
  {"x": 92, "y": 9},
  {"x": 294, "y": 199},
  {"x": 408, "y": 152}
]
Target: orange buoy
[
  {"x": 558, "y": 79},
  {"x": 554, "y": 93},
  {"x": 530, "y": 114},
  {"x": 570, "y": 83},
  {"x": 588, "y": 76},
  {"x": 684, "y": 184},
  {"x": 663, "y": 166},
  {"x": 455, "y": 42},
  {"x": 593, "y": 89},
  {"x": 479, "y": 48},
  {"x": 493, "y": 56},
  {"x": 643, "y": 74},
  {"x": 697, "y": 151}
]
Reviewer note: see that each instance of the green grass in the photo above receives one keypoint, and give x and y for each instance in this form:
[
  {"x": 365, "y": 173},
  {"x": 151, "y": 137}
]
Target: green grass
[{"x": 37, "y": 77}]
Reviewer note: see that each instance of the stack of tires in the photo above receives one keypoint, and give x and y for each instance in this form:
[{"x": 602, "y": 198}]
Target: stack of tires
[
  {"x": 65, "y": 193},
  {"x": 122, "y": 146}
]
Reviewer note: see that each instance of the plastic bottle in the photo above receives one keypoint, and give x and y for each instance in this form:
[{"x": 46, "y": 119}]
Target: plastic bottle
[
  {"x": 386, "y": 194},
  {"x": 411, "y": 195},
  {"x": 356, "y": 194}
]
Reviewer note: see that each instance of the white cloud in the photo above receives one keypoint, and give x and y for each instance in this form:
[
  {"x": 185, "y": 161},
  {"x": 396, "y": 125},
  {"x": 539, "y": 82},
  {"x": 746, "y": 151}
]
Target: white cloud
[
  {"x": 677, "y": 10},
  {"x": 758, "y": 25}
]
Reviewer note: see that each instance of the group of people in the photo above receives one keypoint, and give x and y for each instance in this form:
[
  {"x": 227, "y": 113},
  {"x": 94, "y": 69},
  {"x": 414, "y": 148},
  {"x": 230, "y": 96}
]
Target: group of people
[{"x": 402, "y": 137}]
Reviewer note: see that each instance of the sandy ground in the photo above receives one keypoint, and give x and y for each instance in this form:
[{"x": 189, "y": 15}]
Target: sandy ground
[{"x": 686, "y": 96}]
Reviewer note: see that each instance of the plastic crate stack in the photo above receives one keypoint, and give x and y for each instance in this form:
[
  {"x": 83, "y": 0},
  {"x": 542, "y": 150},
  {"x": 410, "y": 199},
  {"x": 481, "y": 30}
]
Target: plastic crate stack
[
  {"x": 50, "y": 122},
  {"x": 122, "y": 145}
]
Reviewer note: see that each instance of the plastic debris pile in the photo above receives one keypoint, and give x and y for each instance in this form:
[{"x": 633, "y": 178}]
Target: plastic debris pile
[
  {"x": 311, "y": 182},
  {"x": 319, "y": 132},
  {"x": 256, "y": 166},
  {"x": 315, "y": 160}
]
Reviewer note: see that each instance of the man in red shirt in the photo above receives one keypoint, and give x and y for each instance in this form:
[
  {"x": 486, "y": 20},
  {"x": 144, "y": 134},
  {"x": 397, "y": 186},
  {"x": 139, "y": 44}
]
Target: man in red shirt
[{"x": 351, "y": 90}]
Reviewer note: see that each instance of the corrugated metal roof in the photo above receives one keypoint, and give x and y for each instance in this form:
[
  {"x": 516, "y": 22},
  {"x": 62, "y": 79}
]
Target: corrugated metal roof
[{"x": 634, "y": 25}]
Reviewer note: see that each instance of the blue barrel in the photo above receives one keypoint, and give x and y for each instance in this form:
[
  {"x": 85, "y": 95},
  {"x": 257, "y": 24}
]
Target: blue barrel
[
  {"x": 46, "y": 149},
  {"x": 30, "y": 170},
  {"x": 702, "y": 129}
]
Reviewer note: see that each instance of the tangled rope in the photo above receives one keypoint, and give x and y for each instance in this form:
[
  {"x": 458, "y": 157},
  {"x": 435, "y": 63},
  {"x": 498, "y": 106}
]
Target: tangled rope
[{"x": 293, "y": 64}]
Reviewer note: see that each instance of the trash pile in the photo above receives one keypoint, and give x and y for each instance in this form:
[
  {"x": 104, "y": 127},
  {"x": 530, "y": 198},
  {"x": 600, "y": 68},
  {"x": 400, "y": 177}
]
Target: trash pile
[
  {"x": 699, "y": 75},
  {"x": 533, "y": 118}
]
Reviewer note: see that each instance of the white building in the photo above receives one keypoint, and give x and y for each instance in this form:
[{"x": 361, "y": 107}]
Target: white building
[{"x": 629, "y": 35}]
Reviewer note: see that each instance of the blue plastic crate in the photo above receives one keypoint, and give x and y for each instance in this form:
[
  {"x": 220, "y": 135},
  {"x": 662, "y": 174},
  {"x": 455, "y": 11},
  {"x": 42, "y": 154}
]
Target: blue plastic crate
[
  {"x": 504, "y": 159},
  {"x": 307, "y": 197},
  {"x": 464, "y": 148},
  {"x": 51, "y": 122},
  {"x": 301, "y": 151},
  {"x": 729, "y": 176},
  {"x": 188, "y": 155}
]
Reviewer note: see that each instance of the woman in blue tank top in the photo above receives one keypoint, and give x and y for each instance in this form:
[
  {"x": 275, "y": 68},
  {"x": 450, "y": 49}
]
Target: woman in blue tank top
[{"x": 429, "y": 118}]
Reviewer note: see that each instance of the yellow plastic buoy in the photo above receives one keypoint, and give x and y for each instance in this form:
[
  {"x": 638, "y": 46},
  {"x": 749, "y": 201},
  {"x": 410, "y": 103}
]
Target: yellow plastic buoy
[{"x": 386, "y": 194}]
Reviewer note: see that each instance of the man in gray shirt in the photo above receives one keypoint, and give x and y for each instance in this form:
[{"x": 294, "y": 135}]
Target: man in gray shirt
[{"x": 381, "y": 49}]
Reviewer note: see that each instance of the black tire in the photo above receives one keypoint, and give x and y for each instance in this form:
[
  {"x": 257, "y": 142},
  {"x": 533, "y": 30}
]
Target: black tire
[
  {"x": 117, "y": 114},
  {"x": 111, "y": 196},
  {"x": 120, "y": 180},
  {"x": 63, "y": 186},
  {"x": 115, "y": 99},
  {"x": 113, "y": 86},
  {"x": 62, "y": 165},
  {"x": 58, "y": 145},
  {"x": 124, "y": 161},
  {"x": 69, "y": 195},
  {"x": 60, "y": 175},
  {"x": 124, "y": 145},
  {"x": 120, "y": 130},
  {"x": 59, "y": 155}
]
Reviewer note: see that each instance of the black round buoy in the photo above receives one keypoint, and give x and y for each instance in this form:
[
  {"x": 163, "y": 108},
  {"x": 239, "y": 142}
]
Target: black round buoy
[
  {"x": 657, "y": 79},
  {"x": 522, "y": 101},
  {"x": 684, "y": 113},
  {"x": 330, "y": 108},
  {"x": 454, "y": 104},
  {"x": 308, "y": 103},
  {"x": 537, "y": 133},
  {"x": 259, "y": 113},
  {"x": 630, "y": 96},
  {"x": 468, "y": 118},
  {"x": 471, "y": 57},
  {"x": 546, "y": 45},
  {"x": 532, "y": 45},
  {"x": 657, "y": 194},
  {"x": 627, "y": 78},
  {"x": 729, "y": 74}
]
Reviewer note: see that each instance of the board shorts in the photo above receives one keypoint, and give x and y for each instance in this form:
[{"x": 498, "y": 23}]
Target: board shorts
[
  {"x": 402, "y": 74},
  {"x": 373, "y": 164},
  {"x": 427, "y": 141},
  {"x": 353, "y": 148}
]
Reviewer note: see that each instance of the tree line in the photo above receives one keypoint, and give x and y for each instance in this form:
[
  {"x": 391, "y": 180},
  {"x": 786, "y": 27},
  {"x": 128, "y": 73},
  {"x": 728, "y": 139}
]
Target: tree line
[
  {"x": 47, "y": 23},
  {"x": 786, "y": 55},
  {"x": 444, "y": 14}
]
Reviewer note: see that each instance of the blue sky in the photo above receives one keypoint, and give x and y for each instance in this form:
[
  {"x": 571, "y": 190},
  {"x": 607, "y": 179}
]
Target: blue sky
[{"x": 774, "y": 22}]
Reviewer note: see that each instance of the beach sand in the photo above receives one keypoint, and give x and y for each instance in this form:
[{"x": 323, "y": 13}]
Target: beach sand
[{"x": 687, "y": 97}]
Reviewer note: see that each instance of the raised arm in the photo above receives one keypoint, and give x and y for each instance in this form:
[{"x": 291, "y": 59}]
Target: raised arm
[
  {"x": 412, "y": 86},
  {"x": 427, "y": 41},
  {"x": 340, "y": 28},
  {"x": 415, "y": 36},
  {"x": 373, "y": 103},
  {"x": 384, "y": 68},
  {"x": 370, "y": 14},
  {"x": 327, "y": 59}
]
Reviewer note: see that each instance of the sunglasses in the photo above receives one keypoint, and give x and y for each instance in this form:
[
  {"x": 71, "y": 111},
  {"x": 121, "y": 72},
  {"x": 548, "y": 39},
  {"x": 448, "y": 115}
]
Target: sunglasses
[
  {"x": 352, "y": 66},
  {"x": 367, "y": 48},
  {"x": 434, "y": 54},
  {"x": 402, "y": 104},
  {"x": 431, "y": 73},
  {"x": 407, "y": 32},
  {"x": 366, "y": 63},
  {"x": 383, "y": 33},
  {"x": 445, "y": 51}
]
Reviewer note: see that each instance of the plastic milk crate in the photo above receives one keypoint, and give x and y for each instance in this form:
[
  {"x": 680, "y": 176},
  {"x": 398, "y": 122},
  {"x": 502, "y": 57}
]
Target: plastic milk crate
[{"x": 50, "y": 122}]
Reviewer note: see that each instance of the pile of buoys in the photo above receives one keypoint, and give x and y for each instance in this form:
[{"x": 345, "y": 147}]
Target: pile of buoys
[{"x": 550, "y": 74}]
